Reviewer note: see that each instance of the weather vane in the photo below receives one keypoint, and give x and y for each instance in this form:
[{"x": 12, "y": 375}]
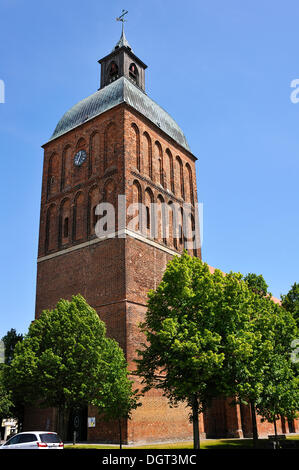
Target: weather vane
[{"x": 121, "y": 18}]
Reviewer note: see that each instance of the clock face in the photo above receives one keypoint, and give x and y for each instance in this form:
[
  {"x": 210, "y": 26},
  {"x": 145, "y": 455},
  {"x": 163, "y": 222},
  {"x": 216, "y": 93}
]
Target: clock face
[{"x": 80, "y": 157}]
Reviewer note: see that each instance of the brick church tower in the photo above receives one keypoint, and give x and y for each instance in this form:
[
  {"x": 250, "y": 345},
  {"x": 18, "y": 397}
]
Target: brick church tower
[
  {"x": 115, "y": 144},
  {"x": 118, "y": 147}
]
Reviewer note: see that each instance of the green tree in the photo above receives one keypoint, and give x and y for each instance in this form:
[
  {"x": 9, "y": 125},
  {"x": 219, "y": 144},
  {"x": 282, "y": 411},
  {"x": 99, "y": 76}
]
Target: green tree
[
  {"x": 259, "y": 286},
  {"x": 257, "y": 283},
  {"x": 242, "y": 345},
  {"x": 249, "y": 352},
  {"x": 209, "y": 335},
  {"x": 116, "y": 399},
  {"x": 290, "y": 301},
  {"x": 6, "y": 404},
  {"x": 280, "y": 395},
  {"x": 10, "y": 340},
  {"x": 183, "y": 350},
  {"x": 62, "y": 361}
]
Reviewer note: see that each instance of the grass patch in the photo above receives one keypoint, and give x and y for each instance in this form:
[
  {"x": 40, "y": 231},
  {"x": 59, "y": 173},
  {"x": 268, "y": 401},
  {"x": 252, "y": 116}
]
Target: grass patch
[{"x": 204, "y": 444}]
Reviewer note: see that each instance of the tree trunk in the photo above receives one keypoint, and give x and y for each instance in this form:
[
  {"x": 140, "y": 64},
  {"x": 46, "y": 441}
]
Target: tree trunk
[
  {"x": 120, "y": 436},
  {"x": 275, "y": 427},
  {"x": 275, "y": 431},
  {"x": 196, "y": 438},
  {"x": 254, "y": 425},
  {"x": 62, "y": 422}
]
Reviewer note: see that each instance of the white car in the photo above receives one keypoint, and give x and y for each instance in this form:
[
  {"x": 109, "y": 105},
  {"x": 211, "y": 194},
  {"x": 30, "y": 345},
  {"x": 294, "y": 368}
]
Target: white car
[{"x": 34, "y": 440}]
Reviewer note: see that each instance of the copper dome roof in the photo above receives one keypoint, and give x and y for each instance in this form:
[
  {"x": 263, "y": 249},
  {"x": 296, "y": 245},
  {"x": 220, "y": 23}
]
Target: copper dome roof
[{"x": 117, "y": 92}]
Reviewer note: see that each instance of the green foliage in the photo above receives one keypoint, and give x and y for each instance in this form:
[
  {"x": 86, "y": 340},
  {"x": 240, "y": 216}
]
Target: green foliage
[
  {"x": 249, "y": 351},
  {"x": 50, "y": 364},
  {"x": 67, "y": 361},
  {"x": 184, "y": 348},
  {"x": 214, "y": 334},
  {"x": 116, "y": 399},
  {"x": 290, "y": 301},
  {"x": 10, "y": 340},
  {"x": 6, "y": 403},
  {"x": 257, "y": 283},
  {"x": 280, "y": 394}
]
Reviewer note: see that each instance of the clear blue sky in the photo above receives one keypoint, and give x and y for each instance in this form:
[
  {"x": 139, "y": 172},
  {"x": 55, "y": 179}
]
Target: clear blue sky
[{"x": 221, "y": 69}]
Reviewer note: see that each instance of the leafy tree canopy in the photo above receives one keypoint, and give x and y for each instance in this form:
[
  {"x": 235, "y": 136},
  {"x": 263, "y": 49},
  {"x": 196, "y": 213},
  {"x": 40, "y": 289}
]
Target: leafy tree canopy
[
  {"x": 290, "y": 301},
  {"x": 257, "y": 283}
]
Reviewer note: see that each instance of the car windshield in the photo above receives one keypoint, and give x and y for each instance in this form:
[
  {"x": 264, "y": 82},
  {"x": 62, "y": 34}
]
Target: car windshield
[{"x": 50, "y": 438}]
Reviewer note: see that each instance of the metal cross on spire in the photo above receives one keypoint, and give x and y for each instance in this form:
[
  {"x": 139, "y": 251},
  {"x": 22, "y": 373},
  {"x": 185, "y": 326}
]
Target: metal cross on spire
[
  {"x": 122, "y": 17},
  {"x": 123, "y": 40}
]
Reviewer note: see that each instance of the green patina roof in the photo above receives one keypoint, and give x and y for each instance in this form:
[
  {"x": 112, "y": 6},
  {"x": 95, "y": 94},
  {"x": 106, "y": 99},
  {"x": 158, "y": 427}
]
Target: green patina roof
[{"x": 117, "y": 92}]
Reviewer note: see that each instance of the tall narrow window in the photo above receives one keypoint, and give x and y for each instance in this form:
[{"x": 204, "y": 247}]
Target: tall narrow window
[
  {"x": 66, "y": 227},
  {"x": 136, "y": 145},
  {"x": 150, "y": 221},
  {"x": 133, "y": 72},
  {"x": 92, "y": 218},
  {"x": 147, "y": 155},
  {"x": 148, "y": 218},
  {"x": 180, "y": 176},
  {"x": 67, "y": 164},
  {"x": 168, "y": 171},
  {"x": 78, "y": 217},
  {"x": 160, "y": 171},
  {"x": 159, "y": 177},
  {"x": 53, "y": 175},
  {"x": 113, "y": 72},
  {"x": 51, "y": 229},
  {"x": 136, "y": 217},
  {"x": 190, "y": 184}
]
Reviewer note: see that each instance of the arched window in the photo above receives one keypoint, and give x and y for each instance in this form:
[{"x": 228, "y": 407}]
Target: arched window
[
  {"x": 190, "y": 184},
  {"x": 133, "y": 72},
  {"x": 148, "y": 218},
  {"x": 193, "y": 227},
  {"x": 51, "y": 229},
  {"x": 149, "y": 212},
  {"x": 147, "y": 155},
  {"x": 159, "y": 163},
  {"x": 66, "y": 171},
  {"x": 64, "y": 222},
  {"x": 78, "y": 217},
  {"x": 66, "y": 227},
  {"x": 162, "y": 226},
  {"x": 53, "y": 175},
  {"x": 171, "y": 223},
  {"x": 92, "y": 218},
  {"x": 113, "y": 72},
  {"x": 168, "y": 171},
  {"x": 136, "y": 212},
  {"x": 181, "y": 229},
  {"x": 180, "y": 176},
  {"x": 136, "y": 145},
  {"x": 109, "y": 192}
]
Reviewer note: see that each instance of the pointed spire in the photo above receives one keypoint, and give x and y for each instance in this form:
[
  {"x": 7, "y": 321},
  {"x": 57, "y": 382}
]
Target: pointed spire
[{"x": 123, "y": 42}]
